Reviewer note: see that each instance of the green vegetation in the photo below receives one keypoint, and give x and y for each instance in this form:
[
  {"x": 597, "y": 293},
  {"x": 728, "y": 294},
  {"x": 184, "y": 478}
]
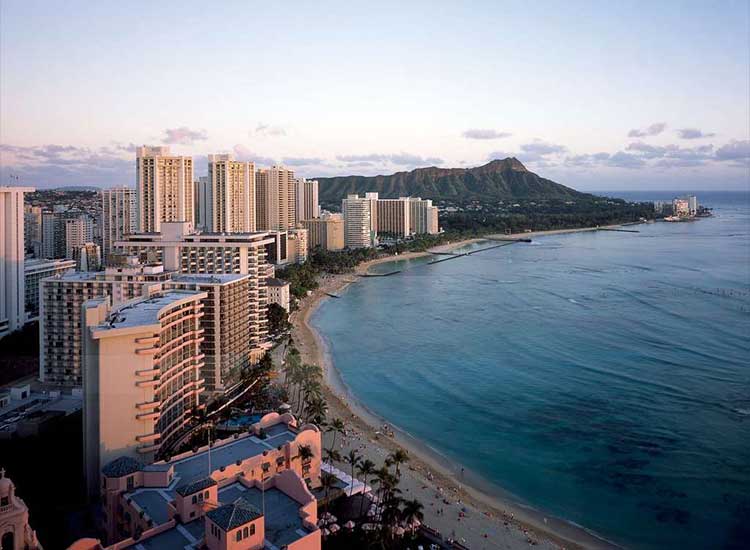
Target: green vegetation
[{"x": 278, "y": 319}]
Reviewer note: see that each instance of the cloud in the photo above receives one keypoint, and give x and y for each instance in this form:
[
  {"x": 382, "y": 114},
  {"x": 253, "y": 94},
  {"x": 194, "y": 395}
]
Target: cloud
[
  {"x": 541, "y": 149},
  {"x": 269, "y": 130},
  {"x": 477, "y": 133},
  {"x": 398, "y": 159},
  {"x": 243, "y": 153},
  {"x": 734, "y": 150},
  {"x": 653, "y": 130},
  {"x": 693, "y": 133},
  {"x": 625, "y": 160},
  {"x": 183, "y": 136},
  {"x": 302, "y": 161}
]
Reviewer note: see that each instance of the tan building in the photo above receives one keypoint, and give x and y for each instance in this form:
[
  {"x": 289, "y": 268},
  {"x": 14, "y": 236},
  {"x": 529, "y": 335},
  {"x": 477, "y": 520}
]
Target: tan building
[
  {"x": 276, "y": 198},
  {"x": 228, "y": 201},
  {"x": 12, "y": 277},
  {"x": 360, "y": 220},
  {"x": 308, "y": 206},
  {"x": 423, "y": 217},
  {"x": 61, "y": 298},
  {"x": 183, "y": 250},
  {"x": 226, "y": 325},
  {"x": 393, "y": 217},
  {"x": 296, "y": 246},
  {"x": 142, "y": 375},
  {"x": 164, "y": 186},
  {"x": 326, "y": 232},
  {"x": 278, "y": 293},
  {"x": 34, "y": 271},
  {"x": 119, "y": 217}
]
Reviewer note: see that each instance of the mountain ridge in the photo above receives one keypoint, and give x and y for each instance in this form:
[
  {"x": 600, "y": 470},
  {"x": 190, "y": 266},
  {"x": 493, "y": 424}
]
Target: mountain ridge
[{"x": 498, "y": 179}]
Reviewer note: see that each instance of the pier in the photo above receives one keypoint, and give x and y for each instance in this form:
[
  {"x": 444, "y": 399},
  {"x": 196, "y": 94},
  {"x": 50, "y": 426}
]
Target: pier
[{"x": 617, "y": 229}]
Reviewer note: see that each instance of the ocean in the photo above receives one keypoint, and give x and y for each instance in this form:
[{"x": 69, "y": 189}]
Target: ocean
[{"x": 602, "y": 378}]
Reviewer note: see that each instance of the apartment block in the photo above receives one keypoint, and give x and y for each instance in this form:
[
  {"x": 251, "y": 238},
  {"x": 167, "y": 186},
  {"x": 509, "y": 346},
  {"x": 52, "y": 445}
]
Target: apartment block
[
  {"x": 276, "y": 198},
  {"x": 326, "y": 232},
  {"x": 296, "y": 245},
  {"x": 142, "y": 364},
  {"x": 60, "y": 301},
  {"x": 32, "y": 228},
  {"x": 225, "y": 321},
  {"x": 228, "y": 198},
  {"x": 119, "y": 217},
  {"x": 423, "y": 217},
  {"x": 164, "y": 187},
  {"x": 360, "y": 220},
  {"x": 308, "y": 206},
  {"x": 88, "y": 257},
  {"x": 12, "y": 276},
  {"x": 393, "y": 217},
  {"x": 34, "y": 271}
]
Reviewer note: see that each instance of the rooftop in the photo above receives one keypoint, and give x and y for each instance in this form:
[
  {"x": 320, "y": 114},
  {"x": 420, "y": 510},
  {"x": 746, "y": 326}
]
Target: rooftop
[
  {"x": 209, "y": 278},
  {"x": 236, "y": 514},
  {"x": 145, "y": 312},
  {"x": 195, "y": 486},
  {"x": 122, "y": 466}
]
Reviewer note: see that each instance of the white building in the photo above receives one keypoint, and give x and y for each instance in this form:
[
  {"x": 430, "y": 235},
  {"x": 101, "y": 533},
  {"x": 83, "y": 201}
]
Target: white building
[
  {"x": 12, "y": 276},
  {"x": 228, "y": 198},
  {"x": 308, "y": 206},
  {"x": 360, "y": 220},
  {"x": 34, "y": 271},
  {"x": 164, "y": 186},
  {"x": 119, "y": 216},
  {"x": 278, "y": 293}
]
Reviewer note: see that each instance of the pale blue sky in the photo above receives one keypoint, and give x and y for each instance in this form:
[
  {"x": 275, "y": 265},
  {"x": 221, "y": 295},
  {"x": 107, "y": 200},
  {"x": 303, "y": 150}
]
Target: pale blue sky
[{"x": 365, "y": 87}]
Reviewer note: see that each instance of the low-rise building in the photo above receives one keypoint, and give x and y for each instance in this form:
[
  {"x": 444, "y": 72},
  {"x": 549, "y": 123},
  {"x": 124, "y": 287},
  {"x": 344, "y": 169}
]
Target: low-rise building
[{"x": 278, "y": 293}]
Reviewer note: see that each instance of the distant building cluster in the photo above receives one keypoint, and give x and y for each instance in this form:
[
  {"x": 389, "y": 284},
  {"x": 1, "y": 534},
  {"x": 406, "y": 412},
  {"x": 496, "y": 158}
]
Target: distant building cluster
[{"x": 680, "y": 209}]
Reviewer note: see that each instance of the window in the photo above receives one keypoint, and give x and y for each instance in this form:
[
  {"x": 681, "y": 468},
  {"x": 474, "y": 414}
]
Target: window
[
  {"x": 244, "y": 532},
  {"x": 131, "y": 482},
  {"x": 4, "y": 501},
  {"x": 195, "y": 499},
  {"x": 238, "y": 538},
  {"x": 252, "y": 529}
]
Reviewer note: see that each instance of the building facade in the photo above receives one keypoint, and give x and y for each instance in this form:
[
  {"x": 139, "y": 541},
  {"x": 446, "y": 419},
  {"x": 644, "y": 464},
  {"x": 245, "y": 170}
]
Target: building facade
[
  {"x": 119, "y": 217},
  {"x": 360, "y": 220},
  {"x": 423, "y": 217},
  {"x": 276, "y": 198},
  {"x": 15, "y": 531},
  {"x": 326, "y": 232},
  {"x": 308, "y": 206},
  {"x": 12, "y": 276},
  {"x": 296, "y": 245},
  {"x": 228, "y": 199},
  {"x": 142, "y": 365},
  {"x": 34, "y": 271},
  {"x": 393, "y": 217},
  {"x": 278, "y": 293},
  {"x": 164, "y": 187}
]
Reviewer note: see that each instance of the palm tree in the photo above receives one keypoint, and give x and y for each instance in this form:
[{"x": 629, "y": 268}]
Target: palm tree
[
  {"x": 326, "y": 482},
  {"x": 337, "y": 427},
  {"x": 353, "y": 460},
  {"x": 366, "y": 468},
  {"x": 316, "y": 411},
  {"x": 397, "y": 458},
  {"x": 412, "y": 511},
  {"x": 305, "y": 452},
  {"x": 332, "y": 455}
]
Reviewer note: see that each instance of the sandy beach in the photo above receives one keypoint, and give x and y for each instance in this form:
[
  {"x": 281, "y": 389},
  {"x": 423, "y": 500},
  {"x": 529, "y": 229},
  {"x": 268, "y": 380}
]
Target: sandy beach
[{"x": 489, "y": 520}]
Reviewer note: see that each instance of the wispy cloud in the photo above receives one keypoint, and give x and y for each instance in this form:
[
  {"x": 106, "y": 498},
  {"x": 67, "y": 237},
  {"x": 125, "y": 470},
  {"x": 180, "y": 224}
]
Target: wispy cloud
[
  {"x": 478, "y": 133},
  {"x": 653, "y": 130},
  {"x": 302, "y": 161},
  {"x": 398, "y": 159},
  {"x": 243, "y": 153},
  {"x": 269, "y": 130},
  {"x": 183, "y": 136},
  {"x": 693, "y": 133},
  {"x": 738, "y": 150}
]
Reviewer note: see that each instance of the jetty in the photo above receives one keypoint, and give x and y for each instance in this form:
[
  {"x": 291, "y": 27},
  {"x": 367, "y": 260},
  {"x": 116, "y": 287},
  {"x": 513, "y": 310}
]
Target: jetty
[{"x": 617, "y": 229}]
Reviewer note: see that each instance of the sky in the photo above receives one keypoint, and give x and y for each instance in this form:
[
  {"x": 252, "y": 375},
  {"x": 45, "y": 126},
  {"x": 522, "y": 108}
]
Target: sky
[{"x": 595, "y": 95}]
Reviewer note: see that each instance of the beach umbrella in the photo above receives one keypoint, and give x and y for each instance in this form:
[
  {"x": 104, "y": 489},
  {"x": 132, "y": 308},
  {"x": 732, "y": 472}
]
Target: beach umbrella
[
  {"x": 349, "y": 524},
  {"x": 326, "y": 532},
  {"x": 334, "y": 527},
  {"x": 399, "y": 531},
  {"x": 369, "y": 526}
]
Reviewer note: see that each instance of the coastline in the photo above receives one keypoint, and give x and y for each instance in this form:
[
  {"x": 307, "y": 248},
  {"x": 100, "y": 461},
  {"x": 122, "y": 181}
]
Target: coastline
[{"x": 494, "y": 519}]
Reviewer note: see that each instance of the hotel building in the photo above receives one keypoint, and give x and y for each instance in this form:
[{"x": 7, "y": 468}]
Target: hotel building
[
  {"x": 393, "y": 217},
  {"x": 248, "y": 492},
  {"x": 60, "y": 301},
  {"x": 296, "y": 245},
  {"x": 119, "y": 217},
  {"x": 88, "y": 257},
  {"x": 278, "y": 293},
  {"x": 423, "y": 217},
  {"x": 360, "y": 220},
  {"x": 32, "y": 228},
  {"x": 34, "y": 271},
  {"x": 276, "y": 199},
  {"x": 164, "y": 186},
  {"x": 308, "y": 206},
  {"x": 226, "y": 344},
  {"x": 183, "y": 250},
  {"x": 326, "y": 232},
  {"x": 15, "y": 531},
  {"x": 12, "y": 276},
  {"x": 142, "y": 364},
  {"x": 228, "y": 200}
]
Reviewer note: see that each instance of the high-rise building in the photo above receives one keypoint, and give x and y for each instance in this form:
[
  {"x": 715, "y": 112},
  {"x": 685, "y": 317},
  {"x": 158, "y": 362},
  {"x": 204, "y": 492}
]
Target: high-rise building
[
  {"x": 64, "y": 230},
  {"x": 692, "y": 205},
  {"x": 12, "y": 281},
  {"x": 393, "y": 217},
  {"x": 681, "y": 207},
  {"x": 34, "y": 271},
  {"x": 225, "y": 322},
  {"x": 119, "y": 216},
  {"x": 142, "y": 364},
  {"x": 200, "y": 200},
  {"x": 32, "y": 228},
  {"x": 164, "y": 186},
  {"x": 326, "y": 232},
  {"x": 60, "y": 301},
  {"x": 360, "y": 220},
  {"x": 88, "y": 257},
  {"x": 423, "y": 217},
  {"x": 296, "y": 246},
  {"x": 183, "y": 250},
  {"x": 228, "y": 202},
  {"x": 275, "y": 199},
  {"x": 308, "y": 206},
  {"x": 76, "y": 235}
]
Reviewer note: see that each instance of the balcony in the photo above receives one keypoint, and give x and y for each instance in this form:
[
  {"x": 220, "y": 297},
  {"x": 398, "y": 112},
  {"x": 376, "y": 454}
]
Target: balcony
[
  {"x": 147, "y": 372},
  {"x": 148, "y": 438},
  {"x": 148, "y": 415},
  {"x": 148, "y": 383},
  {"x": 148, "y": 405}
]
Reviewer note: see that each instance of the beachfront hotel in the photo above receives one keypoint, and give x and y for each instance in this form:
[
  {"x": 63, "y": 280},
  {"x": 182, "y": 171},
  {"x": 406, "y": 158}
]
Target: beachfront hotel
[
  {"x": 393, "y": 217},
  {"x": 423, "y": 217},
  {"x": 226, "y": 324},
  {"x": 227, "y": 202},
  {"x": 276, "y": 198},
  {"x": 119, "y": 217},
  {"x": 60, "y": 300},
  {"x": 12, "y": 279},
  {"x": 249, "y": 492},
  {"x": 141, "y": 384},
  {"x": 326, "y": 232},
  {"x": 308, "y": 206},
  {"x": 360, "y": 220},
  {"x": 164, "y": 186}
]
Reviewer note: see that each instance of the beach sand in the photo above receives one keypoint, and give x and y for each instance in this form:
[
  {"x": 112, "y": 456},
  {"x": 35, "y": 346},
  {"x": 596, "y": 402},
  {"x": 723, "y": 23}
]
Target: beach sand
[{"x": 490, "y": 520}]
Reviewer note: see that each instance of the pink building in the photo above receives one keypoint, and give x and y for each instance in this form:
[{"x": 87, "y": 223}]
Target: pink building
[
  {"x": 248, "y": 492},
  {"x": 15, "y": 531}
]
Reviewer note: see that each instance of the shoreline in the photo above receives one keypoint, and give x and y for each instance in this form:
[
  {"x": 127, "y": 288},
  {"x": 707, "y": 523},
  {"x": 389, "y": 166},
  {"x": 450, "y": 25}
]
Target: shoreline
[{"x": 512, "y": 523}]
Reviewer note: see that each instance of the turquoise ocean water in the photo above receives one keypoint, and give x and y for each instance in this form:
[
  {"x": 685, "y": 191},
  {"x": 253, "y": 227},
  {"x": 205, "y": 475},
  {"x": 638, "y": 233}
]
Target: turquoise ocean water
[{"x": 601, "y": 377}]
